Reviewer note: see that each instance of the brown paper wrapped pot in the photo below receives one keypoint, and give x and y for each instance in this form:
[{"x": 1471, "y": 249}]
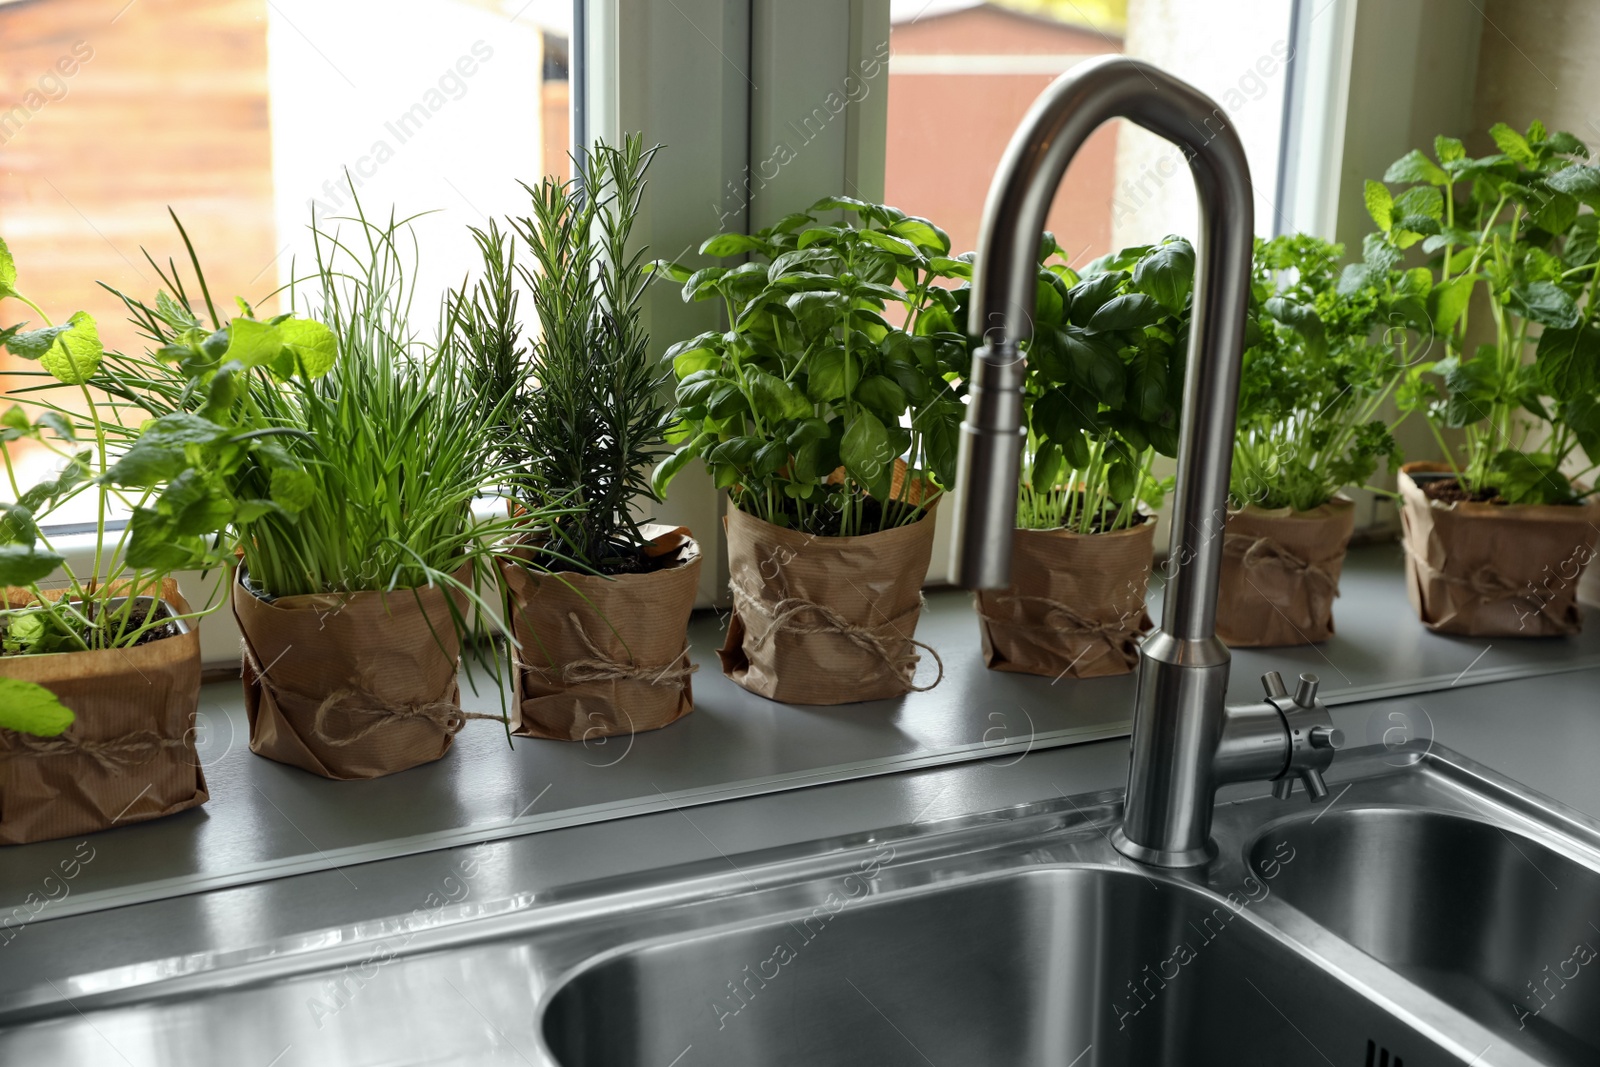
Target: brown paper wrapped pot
[
  {"x": 1280, "y": 574},
  {"x": 129, "y": 756},
  {"x": 351, "y": 685},
  {"x": 1075, "y": 607},
  {"x": 599, "y": 656},
  {"x": 1489, "y": 570},
  {"x": 825, "y": 620}
]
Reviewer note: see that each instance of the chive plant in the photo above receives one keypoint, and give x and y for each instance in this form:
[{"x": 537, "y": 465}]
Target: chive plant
[
  {"x": 578, "y": 409},
  {"x": 369, "y": 440}
]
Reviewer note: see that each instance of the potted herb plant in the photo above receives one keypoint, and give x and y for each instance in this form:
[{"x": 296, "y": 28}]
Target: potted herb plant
[
  {"x": 1327, "y": 355},
  {"x": 1102, "y": 393},
  {"x": 360, "y": 555},
  {"x": 599, "y": 600},
  {"x": 829, "y": 410},
  {"x": 1497, "y": 535},
  {"x": 99, "y": 670}
]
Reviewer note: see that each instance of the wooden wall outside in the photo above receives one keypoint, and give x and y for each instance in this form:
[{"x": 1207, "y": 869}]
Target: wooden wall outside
[{"x": 169, "y": 107}]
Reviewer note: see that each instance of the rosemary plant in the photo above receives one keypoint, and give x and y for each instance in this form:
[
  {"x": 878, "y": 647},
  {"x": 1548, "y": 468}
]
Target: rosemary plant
[{"x": 579, "y": 410}]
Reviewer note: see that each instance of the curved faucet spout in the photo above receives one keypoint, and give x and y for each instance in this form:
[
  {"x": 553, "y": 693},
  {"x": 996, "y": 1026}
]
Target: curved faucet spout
[
  {"x": 1185, "y": 742},
  {"x": 1072, "y": 108}
]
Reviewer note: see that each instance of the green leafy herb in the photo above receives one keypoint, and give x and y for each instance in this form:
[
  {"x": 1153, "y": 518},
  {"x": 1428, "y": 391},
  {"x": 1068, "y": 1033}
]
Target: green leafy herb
[
  {"x": 1103, "y": 385},
  {"x": 1326, "y": 357},
  {"x": 1511, "y": 228},
  {"x": 832, "y": 402},
  {"x": 580, "y": 408},
  {"x": 32, "y": 709},
  {"x": 101, "y": 608}
]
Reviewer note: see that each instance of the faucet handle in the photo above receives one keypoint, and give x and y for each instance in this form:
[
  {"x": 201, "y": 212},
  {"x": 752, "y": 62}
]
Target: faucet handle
[
  {"x": 1316, "y": 788},
  {"x": 1311, "y": 737},
  {"x": 1305, "y": 694}
]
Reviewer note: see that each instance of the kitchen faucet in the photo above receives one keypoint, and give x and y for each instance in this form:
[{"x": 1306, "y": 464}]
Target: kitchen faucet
[{"x": 1186, "y": 741}]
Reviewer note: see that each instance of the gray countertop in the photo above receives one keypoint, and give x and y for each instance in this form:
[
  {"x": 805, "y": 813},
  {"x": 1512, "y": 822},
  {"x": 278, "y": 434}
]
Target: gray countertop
[
  {"x": 267, "y": 821},
  {"x": 728, "y": 781}
]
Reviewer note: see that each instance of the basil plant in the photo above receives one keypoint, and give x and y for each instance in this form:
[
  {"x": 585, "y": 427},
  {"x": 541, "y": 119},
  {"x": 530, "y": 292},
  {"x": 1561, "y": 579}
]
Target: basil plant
[
  {"x": 1511, "y": 229},
  {"x": 1104, "y": 385},
  {"x": 832, "y": 402}
]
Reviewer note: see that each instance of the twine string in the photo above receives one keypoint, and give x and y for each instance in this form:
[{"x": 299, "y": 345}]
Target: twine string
[
  {"x": 1485, "y": 582},
  {"x": 893, "y": 652},
  {"x": 600, "y": 667},
  {"x": 130, "y": 750},
  {"x": 447, "y": 716},
  {"x": 1264, "y": 551},
  {"x": 1074, "y": 623}
]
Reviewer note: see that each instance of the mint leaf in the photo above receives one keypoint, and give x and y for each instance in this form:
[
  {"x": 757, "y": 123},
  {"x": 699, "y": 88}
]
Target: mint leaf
[
  {"x": 253, "y": 343},
  {"x": 23, "y": 565},
  {"x": 293, "y": 490},
  {"x": 33, "y": 344},
  {"x": 75, "y": 357},
  {"x": 1449, "y": 149},
  {"x": 8, "y": 271},
  {"x": 1544, "y": 302},
  {"x": 1380, "y": 205},
  {"x": 1416, "y": 167},
  {"x": 32, "y": 709},
  {"x": 309, "y": 348},
  {"x": 1581, "y": 183},
  {"x": 1513, "y": 144}
]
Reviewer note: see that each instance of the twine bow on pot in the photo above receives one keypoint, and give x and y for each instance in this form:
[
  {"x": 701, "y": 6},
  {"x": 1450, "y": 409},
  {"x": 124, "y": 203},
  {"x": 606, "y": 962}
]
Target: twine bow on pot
[
  {"x": 600, "y": 667},
  {"x": 447, "y": 716},
  {"x": 1074, "y": 624},
  {"x": 1484, "y": 582},
  {"x": 894, "y": 652},
  {"x": 130, "y": 750},
  {"x": 1264, "y": 551}
]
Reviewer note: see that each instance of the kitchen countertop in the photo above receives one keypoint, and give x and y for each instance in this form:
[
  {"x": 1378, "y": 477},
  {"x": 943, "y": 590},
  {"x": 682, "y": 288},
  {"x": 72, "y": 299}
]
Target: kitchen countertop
[
  {"x": 267, "y": 821},
  {"x": 1541, "y": 730}
]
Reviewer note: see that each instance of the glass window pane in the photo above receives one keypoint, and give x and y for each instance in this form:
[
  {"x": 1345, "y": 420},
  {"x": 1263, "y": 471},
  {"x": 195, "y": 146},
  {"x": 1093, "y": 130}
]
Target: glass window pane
[
  {"x": 244, "y": 115},
  {"x": 963, "y": 73}
]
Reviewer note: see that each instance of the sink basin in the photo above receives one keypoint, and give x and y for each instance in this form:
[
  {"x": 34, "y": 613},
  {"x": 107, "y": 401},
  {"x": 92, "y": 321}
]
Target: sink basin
[
  {"x": 1482, "y": 916},
  {"x": 1397, "y": 924},
  {"x": 1062, "y": 967}
]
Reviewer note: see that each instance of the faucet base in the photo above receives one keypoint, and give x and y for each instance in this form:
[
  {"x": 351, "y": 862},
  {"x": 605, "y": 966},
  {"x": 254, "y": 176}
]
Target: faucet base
[{"x": 1154, "y": 857}]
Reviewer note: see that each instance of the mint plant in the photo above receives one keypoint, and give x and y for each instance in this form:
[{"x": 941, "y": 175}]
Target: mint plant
[
  {"x": 162, "y": 472},
  {"x": 843, "y": 358},
  {"x": 1510, "y": 226}
]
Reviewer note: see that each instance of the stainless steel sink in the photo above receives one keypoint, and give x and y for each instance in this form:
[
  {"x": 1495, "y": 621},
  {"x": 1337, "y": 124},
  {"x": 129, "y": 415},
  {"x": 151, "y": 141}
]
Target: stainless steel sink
[
  {"x": 1392, "y": 926},
  {"x": 1039, "y": 968},
  {"x": 1488, "y": 919}
]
